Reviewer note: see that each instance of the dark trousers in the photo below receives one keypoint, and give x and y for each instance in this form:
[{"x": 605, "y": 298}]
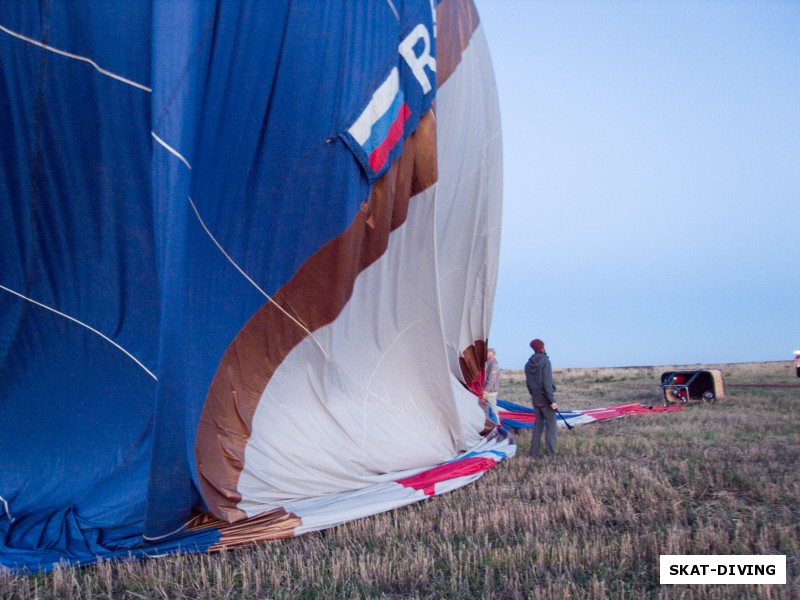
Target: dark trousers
[{"x": 544, "y": 414}]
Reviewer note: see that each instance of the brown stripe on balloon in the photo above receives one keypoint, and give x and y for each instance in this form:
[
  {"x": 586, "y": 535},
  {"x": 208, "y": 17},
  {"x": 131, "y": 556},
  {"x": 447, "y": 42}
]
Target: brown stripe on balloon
[
  {"x": 456, "y": 20},
  {"x": 314, "y": 296},
  {"x": 276, "y": 524},
  {"x": 472, "y": 361}
]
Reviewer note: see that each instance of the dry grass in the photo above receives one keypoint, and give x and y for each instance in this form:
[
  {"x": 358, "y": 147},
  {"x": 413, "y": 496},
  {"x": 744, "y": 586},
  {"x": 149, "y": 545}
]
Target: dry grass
[{"x": 713, "y": 479}]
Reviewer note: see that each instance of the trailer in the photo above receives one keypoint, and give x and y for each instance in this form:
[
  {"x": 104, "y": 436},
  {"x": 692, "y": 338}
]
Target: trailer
[{"x": 683, "y": 387}]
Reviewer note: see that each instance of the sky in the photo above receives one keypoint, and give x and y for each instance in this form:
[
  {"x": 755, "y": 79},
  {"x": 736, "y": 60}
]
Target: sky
[{"x": 651, "y": 150}]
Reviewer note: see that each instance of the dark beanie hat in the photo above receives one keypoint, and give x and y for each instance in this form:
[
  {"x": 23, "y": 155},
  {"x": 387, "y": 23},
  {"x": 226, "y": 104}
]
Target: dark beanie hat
[{"x": 537, "y": 345}]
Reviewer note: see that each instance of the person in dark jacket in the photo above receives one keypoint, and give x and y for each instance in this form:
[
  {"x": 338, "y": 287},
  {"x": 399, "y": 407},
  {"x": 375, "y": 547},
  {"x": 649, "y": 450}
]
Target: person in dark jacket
[{"x": 539, "y": 378}]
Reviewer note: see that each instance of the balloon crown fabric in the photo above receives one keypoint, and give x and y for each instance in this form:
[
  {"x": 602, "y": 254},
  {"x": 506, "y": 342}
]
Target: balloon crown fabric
[{"x": 221, "y": 254}]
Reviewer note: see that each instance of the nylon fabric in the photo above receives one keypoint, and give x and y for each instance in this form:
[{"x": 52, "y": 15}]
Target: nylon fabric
[{"x": 169, "y": 172}]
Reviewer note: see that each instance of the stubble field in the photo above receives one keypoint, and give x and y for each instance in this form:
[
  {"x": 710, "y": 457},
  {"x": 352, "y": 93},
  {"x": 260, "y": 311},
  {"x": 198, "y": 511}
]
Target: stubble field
[{"x": 717, "y": 478}]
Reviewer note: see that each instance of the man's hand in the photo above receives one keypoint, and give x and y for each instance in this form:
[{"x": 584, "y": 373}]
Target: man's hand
[{"x": 554, "y": 406}]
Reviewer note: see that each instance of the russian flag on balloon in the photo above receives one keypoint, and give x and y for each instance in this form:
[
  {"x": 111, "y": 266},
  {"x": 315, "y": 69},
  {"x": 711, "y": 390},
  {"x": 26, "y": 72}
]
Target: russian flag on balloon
[{"x": 381, "y": 125}]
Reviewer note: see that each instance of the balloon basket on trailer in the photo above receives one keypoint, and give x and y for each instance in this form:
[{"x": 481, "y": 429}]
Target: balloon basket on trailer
[{"x": 685, "y": 387}]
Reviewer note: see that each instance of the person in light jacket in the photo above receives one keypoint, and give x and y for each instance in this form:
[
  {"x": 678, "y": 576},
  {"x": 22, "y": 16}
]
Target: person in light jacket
[
  {"x": 539, "y": 379},
  {"x": 492, "y": 379}
]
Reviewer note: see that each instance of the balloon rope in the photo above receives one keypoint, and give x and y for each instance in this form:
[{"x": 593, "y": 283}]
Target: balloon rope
[{"x": 246, "y": 276}]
